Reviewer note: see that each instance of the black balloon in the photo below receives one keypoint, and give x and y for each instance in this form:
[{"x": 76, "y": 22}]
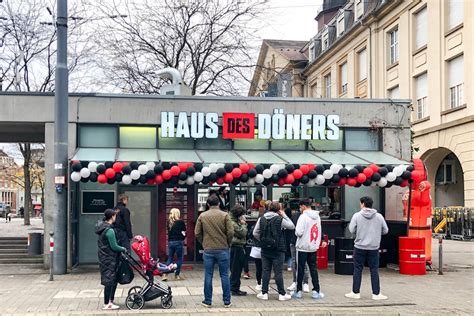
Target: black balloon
[
  {"x": 198, "y": 166},
  {"x": 135, "y": 182},
  {"x": 389, "y": 184},
  {"x": 252, "y": 173},
  {"x": 359, "y": 168},
  {"x": 383, "y": 171},
  {"x": 319, "y": 169},
  {"x": 109, "y": 164},
  {"x": 205, "y": 180},
  {"x": 290, "y": 168},
  {"x": 389, "y": 168},
  {"x": 190, "y": 171},
  {"x": 335, "y": 178},
  {"x": 266, "y": 182},
  {"x": 312, "y": 174},
  {"x": 134, "y": 165},
  {"x": 84, "y": 163},
  {"x": 236, "y": 181},
  {"x": 111, "y": 181},
  {"x": 358, "y": 185},
  {"x": 259, "y": 168},
  {"x": 327, "y": 182},
  {"x": 93, "y": 177},
  {"x": 368, "y": 182},
  {"x": 282, "y": 173},
  {"x": 296, "y": 183},
  {"x": 220, "y": 172},
  {"x": 410, "y": 168},
  {"x": 343, "y": 173},
  {"x": 275, "y": 178},
  {"x": 228, "y": 167},
  {"x": 101, "y": 169},
  {"x": 182, "y": 176},
  {"x": 118, "y": 177},
  {"x": 77, "y": 167},
  {"x": 85, "y": 180},
  {"x": 304, "y": 179},
  {"x": 406, "y": 175},
  {"x": 244, "y": 177},
  {"x": 150, "y": 175},
  {"x": 166, "y": 165},
  {"x": 158, "y": 169},
  {"x": 376, "y": 177},
  {"x": 174, "y": 164},
  {"x": 213, "y": 177},
  {"x": 126, "y": 170},
  {"x": 398, "y": 181},
  {"x": 142, "y": 179},
  {"x": 353, "y": 173}
]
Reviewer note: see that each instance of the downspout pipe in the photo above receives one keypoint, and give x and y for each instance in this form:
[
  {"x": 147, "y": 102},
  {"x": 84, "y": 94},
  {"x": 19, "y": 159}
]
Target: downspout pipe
[{"x": 171, "y": 73}]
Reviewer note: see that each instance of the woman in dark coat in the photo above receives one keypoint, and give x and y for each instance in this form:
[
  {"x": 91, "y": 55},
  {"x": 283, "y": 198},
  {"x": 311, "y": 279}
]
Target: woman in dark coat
[{"x": 109, "y": 252}]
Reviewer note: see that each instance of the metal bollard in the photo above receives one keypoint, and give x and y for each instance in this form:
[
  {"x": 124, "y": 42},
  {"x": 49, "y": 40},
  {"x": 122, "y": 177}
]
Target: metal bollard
[
  {"x": 440, "y": 256},
  {"x": 51, "y": 255}
]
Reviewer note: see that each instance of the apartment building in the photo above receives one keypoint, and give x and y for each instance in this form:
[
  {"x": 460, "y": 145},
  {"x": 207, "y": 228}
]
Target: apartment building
[{"x": 8, "y": 187}]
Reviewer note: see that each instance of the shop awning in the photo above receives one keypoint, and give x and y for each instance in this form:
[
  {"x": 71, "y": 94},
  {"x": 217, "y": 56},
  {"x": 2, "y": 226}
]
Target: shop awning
[
  {"x": 379, "y": 157},
  {"x": 95, "y": 154},
  {"x": 300, "y": 157}
]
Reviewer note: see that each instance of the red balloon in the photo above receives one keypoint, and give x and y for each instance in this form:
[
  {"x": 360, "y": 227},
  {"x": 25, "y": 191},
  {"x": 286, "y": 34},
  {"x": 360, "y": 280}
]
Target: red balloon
[
  {"x": 220, "y": 181},
  {"x": 289, "y": 179},
  {"x": 281, "y": 182},
  {"x": 175, "y": 170},
  {"x": 304, "y": 169},
  {"x": 228, "y": 177},
  {"x": 311, "y": 166},
  {"x": 102, "y": 178},
  {"x": 167, "y": 174},
  {"x": 150, "y": 181},
  {"x": 374, "y": 167},
  {"x": 368, "y": 172},
  {"x": 251, "y": 165},
  {"x": 361, "y": 178},
  {"x": 297, "y": 174},
  {"x": 110, "y": 173},
  {"x": 182, "y": 166},
  {"x": 117, "y": 166},
  {"x": 190, "y": 164},
  {"x": 236, "y": 173},
  {"x": 351, "y": 181},
  {"x": 159, "y": 179},
  {"x": 342, "y": 182},
  {"x": 244, "y": 167}
]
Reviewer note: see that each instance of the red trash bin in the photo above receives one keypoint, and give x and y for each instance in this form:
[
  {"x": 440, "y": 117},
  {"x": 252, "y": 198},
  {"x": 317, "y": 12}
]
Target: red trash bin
[
  {"x": 412, "y": 255},
  {"x": 322, "y": 254}
]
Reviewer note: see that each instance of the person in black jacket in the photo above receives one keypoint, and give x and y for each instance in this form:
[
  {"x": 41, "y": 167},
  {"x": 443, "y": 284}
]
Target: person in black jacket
[
  {"x": 176, "y": 237},
  {"x": 123, "y": 224},
  {"x": 108, "y": 253}
]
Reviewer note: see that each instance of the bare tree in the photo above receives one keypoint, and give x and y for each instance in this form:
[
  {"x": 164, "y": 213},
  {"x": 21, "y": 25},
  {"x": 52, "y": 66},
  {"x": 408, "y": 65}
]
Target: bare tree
[{"x": 208, "y": 41}]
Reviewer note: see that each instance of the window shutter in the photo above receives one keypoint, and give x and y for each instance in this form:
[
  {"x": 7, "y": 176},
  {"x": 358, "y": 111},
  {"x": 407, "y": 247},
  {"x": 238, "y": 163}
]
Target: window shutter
[
  {"x": 362, "y": 64},
  {"x": 421, "y": 86},
  {"x": 421, "y": 25},
  {"x": 344, "y": 73},
  {"x": 456, "y": 12},
  {"x": 456, "y": 71}
]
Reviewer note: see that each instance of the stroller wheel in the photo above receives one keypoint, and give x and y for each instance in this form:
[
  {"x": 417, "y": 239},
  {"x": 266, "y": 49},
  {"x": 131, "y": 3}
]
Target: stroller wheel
[
  {"x": 166, "y": 301},
  {"x": 135, "y": 301},
  {"x": 135, "y": 289}
]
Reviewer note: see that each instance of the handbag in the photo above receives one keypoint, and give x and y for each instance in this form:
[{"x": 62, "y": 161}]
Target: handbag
[
  {"x": 256, "y": 252},
  {"x": 124, "y": 272}
]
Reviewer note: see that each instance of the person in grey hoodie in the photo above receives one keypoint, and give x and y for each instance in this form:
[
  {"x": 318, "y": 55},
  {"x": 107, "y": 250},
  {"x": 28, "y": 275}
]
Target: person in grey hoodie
[
  {"x": 308, "y": 233},
  {"x": 268, "y": 231},
  {"x": 368, "y": 227}
]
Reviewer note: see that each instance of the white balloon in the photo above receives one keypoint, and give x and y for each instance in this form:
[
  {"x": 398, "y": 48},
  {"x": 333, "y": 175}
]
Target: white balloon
[
  {"x": 85, "y": 172},
  {"x": 320, "y": 179},
  {"x": 76, "y": 176},
  {"x": 220, "y": 165},
  {"x": 190, "y": 181},
  {"x": 267, "y": 173},
  {"x": 150, "y": 165},
  {"x": 135, "y": 174},
  {"x": 198, "y": 176},
  {"x": 92, "y": 166},
  {"x": 251, "y": 182},
  {"x": 327, "y": 174},
  {"x": 274, "y": 168},
  {"x": 126, "y": 179},
  {"x": 142, "y": 169},
  {"x": 311, "y": 183},
  {"x": 182, "y": 182},
  {"x": 259, "y": 178},
  {"x": 334, "y": 168},
  {"x": 213, "y": 167},
  {"x": 391, "y": 176},
  {"x": 206, "y": 171},
  {"x": 382, "y": 182},
  {"x": 398, "y": 170}
]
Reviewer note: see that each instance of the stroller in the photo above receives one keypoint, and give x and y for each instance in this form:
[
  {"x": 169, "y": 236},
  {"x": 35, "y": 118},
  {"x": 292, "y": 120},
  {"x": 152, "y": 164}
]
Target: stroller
[{"x": 147, "y": 268}]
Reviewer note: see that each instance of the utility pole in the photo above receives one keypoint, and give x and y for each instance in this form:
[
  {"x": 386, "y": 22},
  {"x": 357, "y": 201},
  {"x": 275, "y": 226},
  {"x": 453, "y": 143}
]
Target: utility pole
[{"x": 61, "y": 141}]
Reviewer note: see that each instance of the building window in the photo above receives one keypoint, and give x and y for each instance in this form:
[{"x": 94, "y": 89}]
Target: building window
[
  {"x": 455, "y": 13},
  {"x": 393, "y": 40},
  {"x": 446, "y": 173},
  {"x": 361, "y": 139},
  {"x": 362, "y": 67},
  {"x": 394, "y": 93},
  {"x": 98, "y": 136},
  {"x": 421, "y": 28},
  {"x": 456, "y": 82},
  {"x": 311, "y": 53},
  {"x": 343, "y": 78},
  {"x": 421, "y": 95},
  {"x": 327, "y": 86},
  {"x": 326, "y": 39},
  {"x": 137, "y": 137},
  {"x": 359, "y": 9},
  {"x": 340, "y": 24}
]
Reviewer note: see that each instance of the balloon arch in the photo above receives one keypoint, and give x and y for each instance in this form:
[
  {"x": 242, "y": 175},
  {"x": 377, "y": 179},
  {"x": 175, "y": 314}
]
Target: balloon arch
[{"x": 187, "y": 173}]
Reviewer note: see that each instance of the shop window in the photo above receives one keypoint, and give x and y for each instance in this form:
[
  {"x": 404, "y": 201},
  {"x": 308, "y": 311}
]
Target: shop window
[
  {"x": 361, "y": 139},
  {"x": 97, "y": 136},
  {"x": 328, "y": 199},
  {"x": 214, "y": 143},
  {"x": 352, "y": 199},
  {"x": 174, "y": 143},
  {"x": 285, "y": 144},
  {"x": 137, "y": 137},
  {"x": 318, "y": 144}
]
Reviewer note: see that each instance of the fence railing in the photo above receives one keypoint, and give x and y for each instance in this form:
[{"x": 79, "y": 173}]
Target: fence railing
[{"x": 453, "y": 222}]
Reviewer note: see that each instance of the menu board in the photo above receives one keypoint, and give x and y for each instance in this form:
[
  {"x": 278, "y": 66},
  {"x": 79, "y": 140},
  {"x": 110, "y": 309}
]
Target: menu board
[{"x": 96, "y": 202}]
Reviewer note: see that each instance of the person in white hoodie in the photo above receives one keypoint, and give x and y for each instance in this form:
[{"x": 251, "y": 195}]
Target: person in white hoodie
[
  {"x": 368, "y": 227},
  {"x": 308, "y": 233}
]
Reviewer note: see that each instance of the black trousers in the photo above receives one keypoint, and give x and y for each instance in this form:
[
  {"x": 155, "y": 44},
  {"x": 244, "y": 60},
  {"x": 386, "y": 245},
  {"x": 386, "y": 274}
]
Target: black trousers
[
  {"x": 237, "y": 257},
  {"x": 275, "y": 261},
  {"x": 258, "y": 273},
  {"x": 247, "y": 257},
  {"x": 301, "y": 260},
  {"x": 109, "y": 293}
]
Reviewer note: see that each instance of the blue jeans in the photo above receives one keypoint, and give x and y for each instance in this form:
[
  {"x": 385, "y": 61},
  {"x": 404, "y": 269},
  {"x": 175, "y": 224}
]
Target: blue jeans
[
  {"x": 221, "y": 257},
  {"x": 372, "y": 257},
  {"x": 175, "y": 247}
]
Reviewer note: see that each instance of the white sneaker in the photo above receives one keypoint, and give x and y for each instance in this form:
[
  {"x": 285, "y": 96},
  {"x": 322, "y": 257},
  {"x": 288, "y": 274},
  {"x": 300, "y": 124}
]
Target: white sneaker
[
  {"x": 292, "y": 287},
  {"x": 110, "y": 306},
  {"x": 114, "y": 306},
  {"x": 285, "y": 297},
  {"x": 263, "y": 296},
  {"x": 379, "y": 297},
  {"x": 258, "y": 287},
  {"x": 306, "y": 287},
  {"x": 353, "y": 295},
  {"x": 290, "y": 269}
]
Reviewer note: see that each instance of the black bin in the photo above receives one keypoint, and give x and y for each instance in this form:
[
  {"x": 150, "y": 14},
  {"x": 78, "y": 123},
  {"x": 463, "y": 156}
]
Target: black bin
[
  {"x": 35, "y": 243},
  {"x": 343, "y": 263}
]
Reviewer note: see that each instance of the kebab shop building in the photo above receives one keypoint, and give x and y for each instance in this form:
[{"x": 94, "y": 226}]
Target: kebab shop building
[{"x": 168, "y": 151}]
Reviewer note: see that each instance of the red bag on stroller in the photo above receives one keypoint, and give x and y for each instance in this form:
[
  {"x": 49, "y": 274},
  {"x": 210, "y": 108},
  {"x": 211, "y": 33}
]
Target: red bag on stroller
[{"x": 141, "y": 246}]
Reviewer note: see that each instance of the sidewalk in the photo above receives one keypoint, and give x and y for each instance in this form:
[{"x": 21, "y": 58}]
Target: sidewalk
[{"x": 15, "y": 228}]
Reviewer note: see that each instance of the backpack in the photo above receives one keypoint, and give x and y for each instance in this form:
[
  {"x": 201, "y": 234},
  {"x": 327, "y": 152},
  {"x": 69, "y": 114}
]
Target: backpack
[{"x": 269, "y": 236}]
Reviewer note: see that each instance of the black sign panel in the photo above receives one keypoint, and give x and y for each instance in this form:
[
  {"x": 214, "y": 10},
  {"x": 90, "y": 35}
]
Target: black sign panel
[{"x": 96, "y": 202}]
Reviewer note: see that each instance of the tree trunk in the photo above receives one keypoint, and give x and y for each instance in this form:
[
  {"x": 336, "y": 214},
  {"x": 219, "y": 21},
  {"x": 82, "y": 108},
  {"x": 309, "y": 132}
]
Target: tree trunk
[{"x": 26, "y": 152}]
